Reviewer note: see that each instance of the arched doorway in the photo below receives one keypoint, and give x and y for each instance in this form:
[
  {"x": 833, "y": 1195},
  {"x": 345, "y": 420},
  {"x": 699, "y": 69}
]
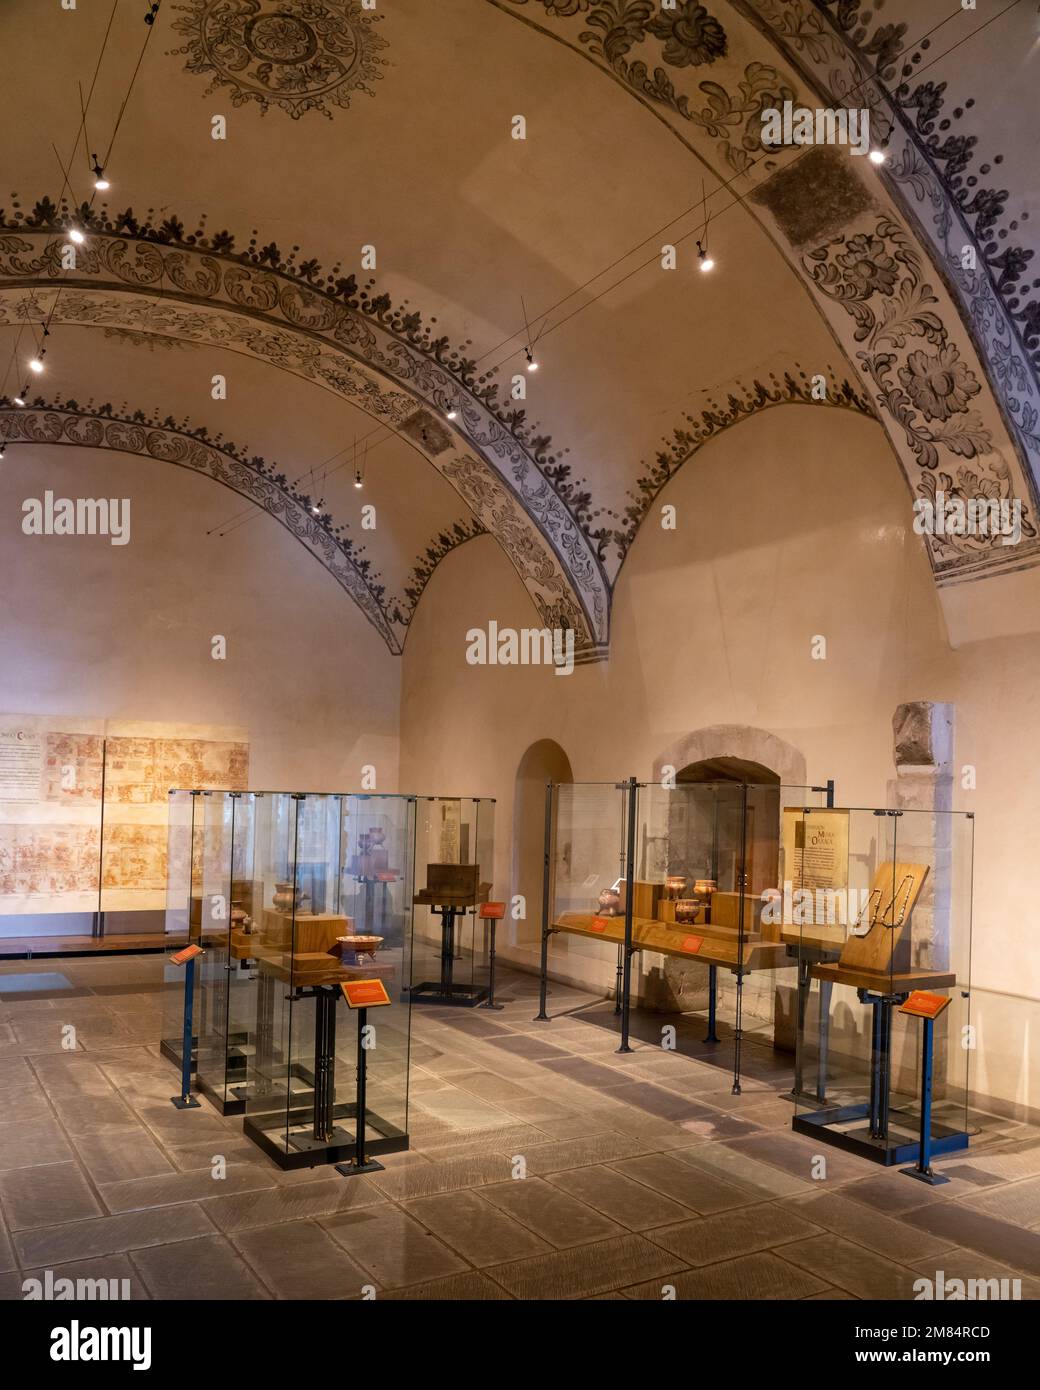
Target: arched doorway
[
  {"x": 761, "y": 806},
  {"x": 544, "y": 761}
]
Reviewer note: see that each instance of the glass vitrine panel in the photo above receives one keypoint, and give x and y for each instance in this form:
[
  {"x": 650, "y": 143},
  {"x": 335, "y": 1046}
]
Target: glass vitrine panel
[
  {"x": 332, "y": 891},
  {"x": 881, "y": 910},
  {"x": 454, "y": 867},
  {"x": 183, "y": 923}
]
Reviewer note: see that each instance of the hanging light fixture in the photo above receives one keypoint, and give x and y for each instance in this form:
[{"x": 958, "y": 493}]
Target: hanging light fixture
[
  {"x": 706, "y": 262},
  {"x": 100, "y": 182},
  {"x": 532, "y": 365},
  {"x": 75, "y": 235}
]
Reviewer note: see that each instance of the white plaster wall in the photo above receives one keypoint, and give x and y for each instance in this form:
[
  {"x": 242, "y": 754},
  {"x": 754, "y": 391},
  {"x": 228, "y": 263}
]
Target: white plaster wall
[
  {"x": 797, "y": 523},
  {"x": 88, "y": 628}
]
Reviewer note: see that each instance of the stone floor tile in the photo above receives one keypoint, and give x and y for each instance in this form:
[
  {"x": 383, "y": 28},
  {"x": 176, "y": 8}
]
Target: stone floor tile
[
  {"x": 585, "y": 1270},
  {"x": 630, "y": 1203},
  {"x": 297, "y": 1259},
  {"x": 748, "y": 1279},
  {"x": 393, "y": 1247},
  {"x": 476, "y": 1229},
  {"x": 695, "y": 1188},
  {"x": 108, "y": 1235},
  {"x": 45, "y": 1195},
  {"x": 851, "y": 1267},
  {"x": 206, "y": 1269},
  {"x": 708, "y": 1239},
  {"x": 248, "y": 1210},
  {"x": 552, "y": 1214}
]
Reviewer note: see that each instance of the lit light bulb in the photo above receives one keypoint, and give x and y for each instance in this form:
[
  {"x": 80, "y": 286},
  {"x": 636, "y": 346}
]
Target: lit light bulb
[
  {"x": 76, "y": 235},
  {"x": 532, "y": 365},
  {"x": 877, "y": 156},
  {"x": 36, "y": 364},
  {"x": 102, "y": 184},
  {"x": 452, "y": 414},
  {"x": 358, "y": 480},
  {"x": 706, "y": 262},
  {"x": 20, "y": 400}
]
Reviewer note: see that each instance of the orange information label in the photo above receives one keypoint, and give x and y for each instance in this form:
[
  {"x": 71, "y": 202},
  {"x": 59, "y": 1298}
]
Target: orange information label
[
  {"x": 924, "y": 1005},
  {"x": 692, "y": 943},
  {"x": 365, "y": 994},
  {"x": 598, "y": 924},
  {"x": 187, "y": 954}
]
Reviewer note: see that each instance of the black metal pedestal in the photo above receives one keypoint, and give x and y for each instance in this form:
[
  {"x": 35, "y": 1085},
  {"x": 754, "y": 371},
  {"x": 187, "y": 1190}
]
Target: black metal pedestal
[
  {"x": 446, "y": 990},
  {"x": 360, "y": 1163}
]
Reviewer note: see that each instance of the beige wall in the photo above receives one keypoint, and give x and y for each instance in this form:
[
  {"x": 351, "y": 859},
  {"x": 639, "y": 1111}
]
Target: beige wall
[
  {"x": 792, "y": 525},
  {"x": 88, "y": 628}
]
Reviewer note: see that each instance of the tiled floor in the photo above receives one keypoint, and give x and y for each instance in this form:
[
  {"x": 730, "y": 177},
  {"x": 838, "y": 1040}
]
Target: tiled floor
[{"x": 543, "y": 1165}]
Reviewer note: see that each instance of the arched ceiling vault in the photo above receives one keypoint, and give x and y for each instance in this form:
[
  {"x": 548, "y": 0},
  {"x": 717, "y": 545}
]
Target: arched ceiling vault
[
  {"x": 827, "y": 265},
  {"x": 948, "y": 363},
  {"x": 158, "y": 280}
]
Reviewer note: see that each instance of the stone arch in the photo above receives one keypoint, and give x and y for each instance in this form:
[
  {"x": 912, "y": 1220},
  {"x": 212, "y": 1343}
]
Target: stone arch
[
  {"x": 359, "y": 346},
  {"x": 542, "y": 761},
  {"x": 73, "y": 426},
  {"x": 736, "y": 741},
  {"x": 843, "y": 235}
]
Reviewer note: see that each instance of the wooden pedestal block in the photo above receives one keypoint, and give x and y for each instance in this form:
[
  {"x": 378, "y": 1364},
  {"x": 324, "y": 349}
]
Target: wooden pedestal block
[{"x": 315, "y": 932}]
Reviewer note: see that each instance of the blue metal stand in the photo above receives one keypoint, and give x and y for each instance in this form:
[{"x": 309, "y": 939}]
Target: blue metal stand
[
  {"x": 922, "y": 1169},
  {"x": 186, "y": 1101}
]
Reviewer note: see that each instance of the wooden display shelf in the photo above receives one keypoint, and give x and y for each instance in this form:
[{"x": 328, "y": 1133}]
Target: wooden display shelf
[
  {"x": 319, "y": 968},
  {"x": 713, "y": 946},
  {"x": 882, "y": 981}
]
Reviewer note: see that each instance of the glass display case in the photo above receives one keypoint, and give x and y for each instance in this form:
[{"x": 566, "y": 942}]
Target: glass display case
[
  {"x": 332, "y": 884},
  {"x": 225, "y": 1006},
  {"x": 878, "y": 904},
  {"x": 454, "y": 863},
  {"x": 677, "y": 877},
  {"x": 183, "y": 921}
]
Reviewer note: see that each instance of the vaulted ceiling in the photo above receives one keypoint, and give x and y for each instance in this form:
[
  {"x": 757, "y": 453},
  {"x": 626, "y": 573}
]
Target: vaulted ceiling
[{"x": 366, "y": 254}]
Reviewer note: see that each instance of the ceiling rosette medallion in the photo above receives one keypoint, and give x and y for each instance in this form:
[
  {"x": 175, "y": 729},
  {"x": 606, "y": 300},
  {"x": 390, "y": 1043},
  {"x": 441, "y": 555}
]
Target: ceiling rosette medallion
[{"x": 299, "y": 55}]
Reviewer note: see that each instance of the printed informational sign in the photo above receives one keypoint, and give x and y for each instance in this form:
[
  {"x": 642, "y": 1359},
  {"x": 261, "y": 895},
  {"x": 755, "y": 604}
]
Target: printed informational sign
[
  {"x": 365, "y": 994},
  {"x": 922, "y": 1004},
  {"x": 692, "y": 943},
  {"x": 816, "y": 848},
  {"x": 187, "y": 954},
  {"x": 21, "y": 765}
]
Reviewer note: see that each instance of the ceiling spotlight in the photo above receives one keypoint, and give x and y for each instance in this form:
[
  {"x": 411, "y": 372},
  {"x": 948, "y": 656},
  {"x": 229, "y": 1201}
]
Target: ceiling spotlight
[
  {"x": 74, "y": 234},
  {"x": 878, "y": 156},
  {"x": 532, "y": 365},
  {"x": 358, "y": 480},
  {"x": 706, "y": 262},
  {"x": 100, "y": 182},
  {"x": 20, "y": 400},
  {"x": 452, "y": 414},
  {"x": 36, "y": 363}
]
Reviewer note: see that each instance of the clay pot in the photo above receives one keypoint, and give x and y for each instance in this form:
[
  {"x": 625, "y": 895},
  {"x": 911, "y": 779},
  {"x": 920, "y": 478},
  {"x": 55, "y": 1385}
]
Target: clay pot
[
  {"x": 284, "y": 899},
  {"x": 686, "y": 911}
]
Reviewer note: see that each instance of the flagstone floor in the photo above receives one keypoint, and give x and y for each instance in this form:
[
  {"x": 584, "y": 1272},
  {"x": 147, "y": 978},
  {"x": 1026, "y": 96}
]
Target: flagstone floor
[{"x": 643, "y": 1173}]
